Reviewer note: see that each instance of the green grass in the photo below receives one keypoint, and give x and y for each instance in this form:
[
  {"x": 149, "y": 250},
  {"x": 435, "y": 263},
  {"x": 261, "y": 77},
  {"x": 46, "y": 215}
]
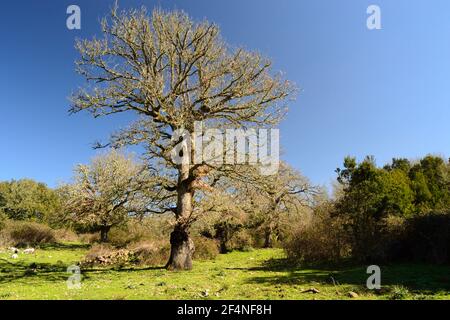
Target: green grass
[{"x": 258, "y": 274}]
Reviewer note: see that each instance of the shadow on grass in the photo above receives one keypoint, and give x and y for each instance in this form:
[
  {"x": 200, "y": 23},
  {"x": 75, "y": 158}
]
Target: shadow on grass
[
  {"x": 428, "y": 279},
  {"x": 23, "y": 272},
  {"x": 64, "y": 246}
]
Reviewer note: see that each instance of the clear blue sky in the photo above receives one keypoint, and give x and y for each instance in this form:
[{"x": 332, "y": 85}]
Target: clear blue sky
[{"x": 381, "y": 92}]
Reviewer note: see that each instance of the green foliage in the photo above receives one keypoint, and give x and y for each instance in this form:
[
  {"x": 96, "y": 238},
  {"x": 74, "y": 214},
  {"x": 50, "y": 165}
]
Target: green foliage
[
  {"x": 426, "y": 238},
  {"x": 431, "y": 182},
  {"x": 28, "y": 200},
  {"x": 398, "y": 188},
  {"x": 372, "y": 196}
]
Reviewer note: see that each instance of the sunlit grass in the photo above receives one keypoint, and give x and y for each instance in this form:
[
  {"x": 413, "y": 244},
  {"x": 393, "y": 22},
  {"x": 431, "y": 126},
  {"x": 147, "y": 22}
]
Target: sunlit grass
[{"x": 258, "y": 274}]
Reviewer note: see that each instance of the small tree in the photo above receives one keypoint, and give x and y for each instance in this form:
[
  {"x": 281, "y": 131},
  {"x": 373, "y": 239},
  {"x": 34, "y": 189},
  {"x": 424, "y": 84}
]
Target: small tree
[
  {"x": 370, "y": 196},
  {"x": 263, "y": 203},
  {"x": 27, "y": 199},
  {"x": 104, "y": 193},
  {"x": 223, "y": 211},
  {"x": 278, "y": 198}
]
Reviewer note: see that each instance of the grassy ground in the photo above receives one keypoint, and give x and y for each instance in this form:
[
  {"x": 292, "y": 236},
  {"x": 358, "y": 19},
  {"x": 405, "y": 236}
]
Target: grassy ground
[{"x": 259, "y": 274}]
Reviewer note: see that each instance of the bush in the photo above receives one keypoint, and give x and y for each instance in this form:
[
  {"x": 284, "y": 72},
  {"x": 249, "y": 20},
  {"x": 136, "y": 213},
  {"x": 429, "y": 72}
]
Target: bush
[
  {"x": 242, "y": 241},
  {"x": 66, "y": 235},
  {"x": 399, "y": 293},
  {"x": 321, "y": 240},
  {"x": 150, "y": 253},
  {"x": 427, "y": 238},
  {"x": 205, "y": 248},
  {"x": 23, "y": 233},
  {"x": 3, "y": 219},
  {"x": 133, "y": 232},
  {"x": 423, "y": 238},
  {"x": 89, "y": 237}
]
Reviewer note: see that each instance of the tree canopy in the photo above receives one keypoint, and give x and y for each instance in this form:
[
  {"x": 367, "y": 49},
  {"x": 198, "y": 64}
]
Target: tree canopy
[{"x": 172, "y": 72}]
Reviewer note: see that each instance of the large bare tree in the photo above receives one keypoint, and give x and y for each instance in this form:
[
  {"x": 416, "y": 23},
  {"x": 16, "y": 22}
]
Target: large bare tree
[{"x": 171, "y": 71}]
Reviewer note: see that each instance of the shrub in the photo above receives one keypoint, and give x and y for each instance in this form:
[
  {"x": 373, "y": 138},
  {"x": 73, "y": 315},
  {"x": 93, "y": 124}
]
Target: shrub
[
  {"x": 423, "y": 238},
  {"x": 89, "y": 237},
  {"x": 153, "y": 228},
  {"x": 22, "y": 233},
  {"x": 242, "y": 241},
  {"x": 322, "y": 240},
  {"x": 399, "y": 293},
  {"x": 66, "y": 235},
  {"x": 3, "y": 219},
  {"x": 123, "y": 236},
  {"x": 205, "y": 248},
  {"x": 427, "y": 238},
  {"x": 150, "y": 253}
]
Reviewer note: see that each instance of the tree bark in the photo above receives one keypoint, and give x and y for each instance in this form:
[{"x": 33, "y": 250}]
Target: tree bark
[
  {"x": 104, "y": 233},
  {"x": 268, "y": 238},
  {"x": 181, "y": 250},
  {"x": 181, "y": 245}
]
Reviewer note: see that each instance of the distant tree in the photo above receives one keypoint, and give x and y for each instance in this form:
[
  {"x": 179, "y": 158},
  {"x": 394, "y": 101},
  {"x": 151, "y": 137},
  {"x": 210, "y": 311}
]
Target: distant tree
[
  {"x": 171, "y": 72},
  {"x": 261, "y": 203},
  {"x": 28, "y": 200},
  {"x": 399, "y": 164},
  {"x": 431, "y": 184},
  {"x": 223, "y": 213},
  {"x": 106, "y": 192},
  {"x": 277, "y": 198},
  {"x": 369, "y": 196}
]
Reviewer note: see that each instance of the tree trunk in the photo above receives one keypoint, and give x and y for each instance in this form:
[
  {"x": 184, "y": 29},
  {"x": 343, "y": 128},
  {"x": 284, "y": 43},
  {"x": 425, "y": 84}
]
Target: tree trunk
[
  {"x": 268, "y": 238},
  {"x": 221, "y": 235},
  {"x": 181, "y": 250},
  {"x": 181, "y": 245},
  {"x": 104, "y": 233}
]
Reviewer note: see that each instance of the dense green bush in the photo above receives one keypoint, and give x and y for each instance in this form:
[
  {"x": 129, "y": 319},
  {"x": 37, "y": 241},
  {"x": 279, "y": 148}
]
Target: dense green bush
[
  {"x": 27, "y": 199},
  {"x": 427, "y": 238},
  {"x": 424, "y": 238}
]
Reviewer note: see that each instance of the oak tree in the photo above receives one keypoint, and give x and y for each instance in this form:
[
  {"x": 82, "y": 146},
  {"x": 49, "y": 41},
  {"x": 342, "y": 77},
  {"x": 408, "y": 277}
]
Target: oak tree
[
  {"x": 170, "y": 72},
  {"x": 105, "y": 193}
]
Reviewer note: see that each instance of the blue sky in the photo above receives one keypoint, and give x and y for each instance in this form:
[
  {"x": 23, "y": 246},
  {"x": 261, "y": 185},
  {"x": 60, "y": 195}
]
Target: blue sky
[{"x": 380, "y": 92}]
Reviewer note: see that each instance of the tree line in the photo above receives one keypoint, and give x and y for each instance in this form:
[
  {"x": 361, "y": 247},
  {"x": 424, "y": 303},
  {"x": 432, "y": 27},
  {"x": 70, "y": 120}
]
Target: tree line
[{"x": 400, "y": 211}]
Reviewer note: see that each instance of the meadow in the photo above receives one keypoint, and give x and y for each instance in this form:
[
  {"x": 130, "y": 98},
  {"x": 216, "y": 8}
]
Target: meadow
[{"x": 256, "y": 274}]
